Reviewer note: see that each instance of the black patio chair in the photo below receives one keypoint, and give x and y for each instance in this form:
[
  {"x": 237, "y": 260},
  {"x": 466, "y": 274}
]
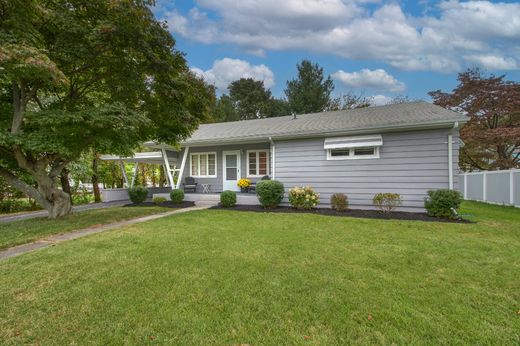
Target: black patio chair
[
  {"x": 252, "y": 187},
  {"x": 189, "y": 184}
]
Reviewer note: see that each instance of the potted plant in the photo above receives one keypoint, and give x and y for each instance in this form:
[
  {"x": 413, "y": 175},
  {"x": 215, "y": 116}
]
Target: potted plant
[{"x": 244, "y": 184}]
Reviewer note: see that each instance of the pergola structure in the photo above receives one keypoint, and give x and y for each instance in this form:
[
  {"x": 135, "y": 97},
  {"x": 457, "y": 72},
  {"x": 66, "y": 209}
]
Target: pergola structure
[{"x": 169, "y": 164}]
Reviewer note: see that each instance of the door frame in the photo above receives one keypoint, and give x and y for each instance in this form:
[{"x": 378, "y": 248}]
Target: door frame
[{"x": 224, "y": 168}]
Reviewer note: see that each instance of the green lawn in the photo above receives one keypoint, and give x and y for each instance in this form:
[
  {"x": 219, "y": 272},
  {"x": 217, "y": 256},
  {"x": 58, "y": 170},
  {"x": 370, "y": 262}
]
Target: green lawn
[
  {"x": 218, "y": 277},
  {"x": 25, "y": 231}
]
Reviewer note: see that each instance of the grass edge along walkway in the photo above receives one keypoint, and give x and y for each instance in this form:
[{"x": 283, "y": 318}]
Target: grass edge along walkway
[{"x": 61, "y": 237}]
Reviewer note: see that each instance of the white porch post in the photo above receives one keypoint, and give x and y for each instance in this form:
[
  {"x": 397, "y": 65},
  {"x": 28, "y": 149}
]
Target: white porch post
[
  {"x": 123, "y": 171},
  {"x": 167, "y": 166},
  {"x": 134, "y": 174},
  {"x": 183, "y": 164}
]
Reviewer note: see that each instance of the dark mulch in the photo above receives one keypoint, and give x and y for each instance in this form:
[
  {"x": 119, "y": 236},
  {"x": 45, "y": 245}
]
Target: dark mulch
[
  {"x": 167, "y": 204},
  {"x": 368, "y": 214}
]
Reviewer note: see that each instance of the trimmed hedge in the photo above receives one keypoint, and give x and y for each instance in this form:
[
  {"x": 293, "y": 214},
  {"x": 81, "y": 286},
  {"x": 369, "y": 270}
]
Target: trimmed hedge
[
  {"x": 177, "y": 196},
  {"x": 339, "y": 202},
  {"x": 228, "y": 199},
  {"x": 270, "y": 193},
  {"x": 443, "y": 203},
  {"x": 137, "y": 194}
]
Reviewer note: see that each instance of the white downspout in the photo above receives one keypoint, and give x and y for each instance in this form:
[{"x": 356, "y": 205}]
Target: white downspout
[
  {"x": 273, "y": 157},
  {"x": 450, "y": 156},
  {"x": 183, "y": 164},
  {"x": 168, "y": 169}
]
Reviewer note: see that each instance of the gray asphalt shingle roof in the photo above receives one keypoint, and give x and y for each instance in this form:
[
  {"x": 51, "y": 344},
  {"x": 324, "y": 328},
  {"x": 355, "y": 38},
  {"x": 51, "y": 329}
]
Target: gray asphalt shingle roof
[{"x": 396, "y": 115}]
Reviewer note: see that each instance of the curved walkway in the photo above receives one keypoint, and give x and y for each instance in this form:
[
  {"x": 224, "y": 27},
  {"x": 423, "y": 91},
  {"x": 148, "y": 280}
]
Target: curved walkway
[
  {"x": 58, "y": 238},
  {"x": 42, "y": 213}
]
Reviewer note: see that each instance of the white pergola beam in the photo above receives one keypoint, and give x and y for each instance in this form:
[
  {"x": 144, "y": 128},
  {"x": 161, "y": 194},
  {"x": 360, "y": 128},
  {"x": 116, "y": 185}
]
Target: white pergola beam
[
  {"x": 183, "y": 164},
  {"x": 168, "y": 169},
  {"x": 123, "y": 171}
]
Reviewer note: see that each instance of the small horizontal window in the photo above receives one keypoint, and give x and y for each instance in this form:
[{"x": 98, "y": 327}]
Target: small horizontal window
[{"x": 353, "y": 153}]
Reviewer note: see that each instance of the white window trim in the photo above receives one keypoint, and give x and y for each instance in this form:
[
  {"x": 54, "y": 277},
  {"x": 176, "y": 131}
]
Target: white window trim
[
  {"x": 352, "y": 156},
  {"x": 207, "y": 164},
  {"x": 266, "y": 151}
]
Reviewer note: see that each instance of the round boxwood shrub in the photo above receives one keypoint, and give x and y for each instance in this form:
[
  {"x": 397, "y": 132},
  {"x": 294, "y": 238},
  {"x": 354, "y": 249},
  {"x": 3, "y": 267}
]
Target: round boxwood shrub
[
  {"x": 443, "y": 203},
  {"x": 137, "y": 194},
  {"x": 177, "y": 196},
  {"x": 339, "y": 202},
  {"x": 269, "y": 193},
  {"x": 228, "y": 199}
]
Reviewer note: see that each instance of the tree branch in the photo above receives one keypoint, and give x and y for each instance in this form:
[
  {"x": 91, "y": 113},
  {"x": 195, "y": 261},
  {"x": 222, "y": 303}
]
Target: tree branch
[{"x": 24, "y": 187}]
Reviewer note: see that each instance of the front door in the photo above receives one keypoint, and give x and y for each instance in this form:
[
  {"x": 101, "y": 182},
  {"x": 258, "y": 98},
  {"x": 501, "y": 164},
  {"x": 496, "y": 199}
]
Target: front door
[{"x": 231, "y": 170}]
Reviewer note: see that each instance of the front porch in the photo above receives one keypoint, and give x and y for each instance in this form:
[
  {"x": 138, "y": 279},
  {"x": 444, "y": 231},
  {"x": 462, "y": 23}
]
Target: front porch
[{"x": 242, "y": 198}]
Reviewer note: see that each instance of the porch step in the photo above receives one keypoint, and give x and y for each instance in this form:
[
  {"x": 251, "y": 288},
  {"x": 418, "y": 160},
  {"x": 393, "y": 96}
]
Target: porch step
[{"x": 242, "y": 198}]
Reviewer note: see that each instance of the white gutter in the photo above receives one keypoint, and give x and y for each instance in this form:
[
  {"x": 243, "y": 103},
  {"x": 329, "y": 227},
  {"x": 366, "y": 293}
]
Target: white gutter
[
  {"x": 273, "y": 157},
  {"x": 450, "y": 156}
]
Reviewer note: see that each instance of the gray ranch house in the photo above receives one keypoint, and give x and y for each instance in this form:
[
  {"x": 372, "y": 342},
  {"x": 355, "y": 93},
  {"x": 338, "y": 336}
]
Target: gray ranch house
[{"x": 406, "y": 148}]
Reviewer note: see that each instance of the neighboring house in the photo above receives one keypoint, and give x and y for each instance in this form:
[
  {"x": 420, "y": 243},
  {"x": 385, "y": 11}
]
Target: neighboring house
[{"x": 407, "y": 148}]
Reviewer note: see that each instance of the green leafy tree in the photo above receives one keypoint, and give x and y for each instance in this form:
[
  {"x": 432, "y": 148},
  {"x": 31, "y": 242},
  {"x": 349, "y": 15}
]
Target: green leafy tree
[
  {"x": 250, "y": 98},
  {"x": 83, "y": 75},
  {"x": 224, "y": 110},
  {"x": 349, "y": 101},
  {"x": 310, "y": 91}
]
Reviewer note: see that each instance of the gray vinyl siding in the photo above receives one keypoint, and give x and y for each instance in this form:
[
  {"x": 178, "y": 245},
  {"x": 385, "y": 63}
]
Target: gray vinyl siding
[
  {"x": 410, "y": 163},
  {"x": 216, "y": 183}
]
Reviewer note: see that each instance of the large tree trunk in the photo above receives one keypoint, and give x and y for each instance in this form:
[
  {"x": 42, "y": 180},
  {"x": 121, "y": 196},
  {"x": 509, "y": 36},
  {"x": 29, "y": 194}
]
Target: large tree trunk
[
  {"x": 65, "y": 182},
  {"x": 95, "y": 179}
]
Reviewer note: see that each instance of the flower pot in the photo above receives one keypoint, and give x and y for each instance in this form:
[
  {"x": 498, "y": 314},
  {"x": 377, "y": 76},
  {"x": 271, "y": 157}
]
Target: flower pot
[{"x": 244, "y": 189}]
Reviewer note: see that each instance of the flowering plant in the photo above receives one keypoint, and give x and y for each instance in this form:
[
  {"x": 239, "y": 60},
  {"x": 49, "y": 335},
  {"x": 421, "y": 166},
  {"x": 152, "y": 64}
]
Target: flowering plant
[
  {"x": 303, "y": 197},
  {"x": 244, "y": 183}
]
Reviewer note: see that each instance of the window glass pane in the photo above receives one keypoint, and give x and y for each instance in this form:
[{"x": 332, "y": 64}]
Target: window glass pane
[
  {"x": 211, "y": 164},
  {"x": 203, "y": 164},
  {"x": 339, "y": 152},
  {"x": 252, "y": 163},
  {"x": 262, "y": 163},
  {"x": 231, "y": 160},
  {"x": 194, "y": 164},
  {"x": 231, "y": 173},
  {"x": 364, "y": 151}
]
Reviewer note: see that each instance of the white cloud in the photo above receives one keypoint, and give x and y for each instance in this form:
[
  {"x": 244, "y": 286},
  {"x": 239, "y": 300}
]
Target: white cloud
[
  {"x": 353, "y": 30},
  {"x": 494, "y": 62},
  {"x": 228, "y": 70},
  {"x": 377, "y": 79},
  {"x": 380, "y": 100}
]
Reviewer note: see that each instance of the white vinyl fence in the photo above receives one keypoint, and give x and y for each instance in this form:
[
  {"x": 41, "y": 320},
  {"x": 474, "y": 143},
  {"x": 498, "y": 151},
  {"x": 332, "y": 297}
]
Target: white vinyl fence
[{"x": 498, "y": 187}]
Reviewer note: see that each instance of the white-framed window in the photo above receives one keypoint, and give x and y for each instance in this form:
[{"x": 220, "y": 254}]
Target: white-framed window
[
  {"x": 353, "y": 153},
  {"x": 354, "y": 147},
  {"x": 257, "y": 163},
  {"x": 203, "y": 165}
]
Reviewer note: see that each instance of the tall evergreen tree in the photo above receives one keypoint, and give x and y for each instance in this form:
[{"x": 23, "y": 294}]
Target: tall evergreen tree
[{"x": 310, "y": 91}]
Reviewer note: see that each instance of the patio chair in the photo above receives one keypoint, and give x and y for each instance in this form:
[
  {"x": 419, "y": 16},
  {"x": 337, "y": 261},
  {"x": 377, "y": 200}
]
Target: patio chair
[
  {"x": 252, "y": 187},
  {"x": 189, "y": 184}
]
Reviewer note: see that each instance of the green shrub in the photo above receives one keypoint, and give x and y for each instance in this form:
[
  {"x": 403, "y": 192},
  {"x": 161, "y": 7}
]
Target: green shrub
[
  {"x": 387, "y": 202},
  {"x": 228, "y": 199},
  {"x": 159, "y": 200},
  {"x": 269, "y": 193},
  {"x": 137, "y": 194},
  {"x": 443, "y": 203},
  {"x": 177, "y": 196},
  {"x": 339, "y": 202},
  {"x": 303, "y": 197}
]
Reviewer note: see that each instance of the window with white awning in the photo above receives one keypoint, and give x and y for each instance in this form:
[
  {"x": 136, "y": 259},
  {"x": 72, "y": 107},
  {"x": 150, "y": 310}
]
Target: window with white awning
[{"x": 353, "y": 147}]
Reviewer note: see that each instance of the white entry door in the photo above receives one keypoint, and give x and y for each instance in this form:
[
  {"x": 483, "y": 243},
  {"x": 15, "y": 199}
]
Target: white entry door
[{"x": 231, "y": 168}]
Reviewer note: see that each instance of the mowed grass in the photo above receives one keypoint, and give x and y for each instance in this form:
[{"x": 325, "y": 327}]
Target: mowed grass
[
  {"x": 218, "y": 277},
  {"x": 24, "y": 231}
]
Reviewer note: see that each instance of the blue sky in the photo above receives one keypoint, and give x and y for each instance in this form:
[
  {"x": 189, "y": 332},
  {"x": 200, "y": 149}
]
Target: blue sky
[{"x": 372, "y": 47}]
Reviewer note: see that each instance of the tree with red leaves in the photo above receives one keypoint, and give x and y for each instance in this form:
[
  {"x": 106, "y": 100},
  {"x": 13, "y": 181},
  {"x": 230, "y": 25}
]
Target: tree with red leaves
[{"x": 492, "y": 135}]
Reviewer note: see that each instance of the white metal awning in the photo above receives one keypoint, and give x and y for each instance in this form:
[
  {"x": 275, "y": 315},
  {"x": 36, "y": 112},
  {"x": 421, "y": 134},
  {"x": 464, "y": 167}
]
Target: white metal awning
[{"x": 353, "y": 142}]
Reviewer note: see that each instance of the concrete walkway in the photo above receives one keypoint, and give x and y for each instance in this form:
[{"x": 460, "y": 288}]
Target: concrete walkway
[
  {"x": 43, "y": 213},
  {"x": 58, "y": 238}
]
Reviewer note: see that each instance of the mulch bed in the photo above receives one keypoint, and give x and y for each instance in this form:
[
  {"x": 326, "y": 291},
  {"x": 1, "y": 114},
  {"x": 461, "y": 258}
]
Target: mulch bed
[
  {"x": 368, "y": 214},
  {"x": 167, "y": 204}
]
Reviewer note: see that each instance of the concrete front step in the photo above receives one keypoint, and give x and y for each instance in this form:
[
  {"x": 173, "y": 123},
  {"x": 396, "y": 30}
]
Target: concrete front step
[{"x": 213, "y": 198}]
